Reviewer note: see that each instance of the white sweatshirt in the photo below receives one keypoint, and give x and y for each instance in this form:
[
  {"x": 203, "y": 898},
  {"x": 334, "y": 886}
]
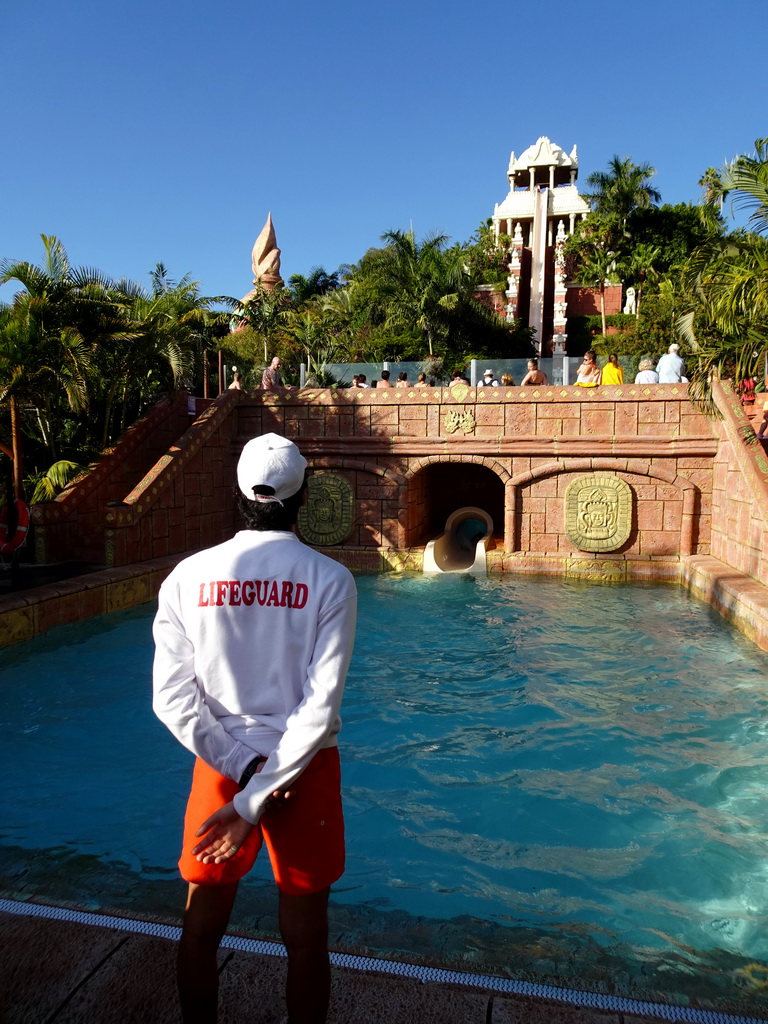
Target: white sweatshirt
[{"x": 253, "y": 639}]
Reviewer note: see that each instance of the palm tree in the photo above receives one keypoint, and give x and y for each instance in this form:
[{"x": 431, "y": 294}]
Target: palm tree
[
  {"x": 318, "y": 283},
  {"x": 620, "y": 190},
  {"x": 35, "y": 366},
  {"x": 712, "y": 184},
  {"x": 596, "y": 260},
  {"x": 312, "y": 329},
  {"x": 726, "y": 320},
  {"x": 265, "y": 313},
  {"x": 746, "y": 180},
  {"x": 417, "y": 284},
  {"x": 596, "y": 270},
  {"x": 65, "y": 316},
  {"x": 639, "y": 266}
]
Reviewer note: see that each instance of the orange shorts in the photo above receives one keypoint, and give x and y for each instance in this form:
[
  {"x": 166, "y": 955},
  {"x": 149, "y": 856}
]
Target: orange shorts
[{"x": 304, "y": 835}]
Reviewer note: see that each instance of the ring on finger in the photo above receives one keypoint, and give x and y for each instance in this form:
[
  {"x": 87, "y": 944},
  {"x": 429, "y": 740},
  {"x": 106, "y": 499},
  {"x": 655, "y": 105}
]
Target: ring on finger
[{"x": 234, "y": 848}]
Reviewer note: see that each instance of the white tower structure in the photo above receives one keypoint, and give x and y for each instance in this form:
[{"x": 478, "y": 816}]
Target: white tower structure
[{"x": 537, "y": 216}]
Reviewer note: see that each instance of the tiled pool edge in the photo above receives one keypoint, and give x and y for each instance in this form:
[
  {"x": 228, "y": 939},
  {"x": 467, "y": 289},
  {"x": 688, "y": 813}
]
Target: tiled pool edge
[
  {"x": 739, "y": 598},
  {"x": 26, "y": 614},
  {"x": 492, "y": 983}
]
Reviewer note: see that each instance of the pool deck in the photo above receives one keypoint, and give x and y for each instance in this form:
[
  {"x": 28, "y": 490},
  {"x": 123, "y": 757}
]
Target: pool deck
[{"x": 53, "y": 970}]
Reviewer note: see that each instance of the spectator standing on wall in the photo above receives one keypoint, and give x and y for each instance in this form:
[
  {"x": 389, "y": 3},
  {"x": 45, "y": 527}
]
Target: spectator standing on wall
[
  {"x": 534, "y": 375},
  {"x": 253, "y": 640},
  {"x": 764, "y": 422},
  {"x": 747, "y": 392},
  {"x": 588, "y": 374},
  {"x": 671, "y": 368},
  {"x": 646, "y": 373},
  {"x": 612, "y": 373},
  {"x": 271, "y": 379}
]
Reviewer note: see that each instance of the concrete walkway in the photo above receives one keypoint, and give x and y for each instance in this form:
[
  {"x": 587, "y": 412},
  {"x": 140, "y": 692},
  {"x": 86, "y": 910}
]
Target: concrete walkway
[{"x": 59, "y": 972}]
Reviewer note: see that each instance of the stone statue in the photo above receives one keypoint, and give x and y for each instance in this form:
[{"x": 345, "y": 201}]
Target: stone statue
[
  {"x": 265, "y": 260},
  {"x": 630, "y": 306}
]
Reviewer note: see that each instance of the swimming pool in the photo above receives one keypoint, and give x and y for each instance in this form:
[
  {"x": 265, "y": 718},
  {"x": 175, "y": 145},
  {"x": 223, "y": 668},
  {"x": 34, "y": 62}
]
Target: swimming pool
[{"x": 544, "y": 779}]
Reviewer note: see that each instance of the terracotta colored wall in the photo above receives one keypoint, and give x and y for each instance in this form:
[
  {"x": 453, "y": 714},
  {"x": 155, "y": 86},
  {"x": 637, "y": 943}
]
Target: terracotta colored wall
[
  {"x": 397, "y": 449},
  {"x": 533, "y": 440},
  {"x": 185, "y": 502},
  {"x": 71, "y": 527},
  {"x": 586, "y": 301},
  {"x": 700, "y": 488},
  {"x": 739, "y": 493}
]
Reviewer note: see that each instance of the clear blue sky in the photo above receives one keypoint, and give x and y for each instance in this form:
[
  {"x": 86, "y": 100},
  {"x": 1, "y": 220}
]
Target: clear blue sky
[{"x": 141, "y": 131}]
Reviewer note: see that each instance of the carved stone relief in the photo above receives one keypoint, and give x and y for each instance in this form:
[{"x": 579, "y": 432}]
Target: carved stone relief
[
  {"x": 595, "y": 570},
  {"x": 456, "y": 419},
  {"x": 598, "y": 512},
  {"x": 327, "y": 516}
]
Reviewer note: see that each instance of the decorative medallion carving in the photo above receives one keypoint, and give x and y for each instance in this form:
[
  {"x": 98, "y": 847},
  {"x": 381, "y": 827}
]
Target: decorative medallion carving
[
  {"x": 598, "y": 512},
  {"x": 459, "y": 419},
  {"x": 326, "y": 518}
]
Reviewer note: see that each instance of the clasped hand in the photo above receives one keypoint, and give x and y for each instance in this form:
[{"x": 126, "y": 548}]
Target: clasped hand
[{"x": 226, "y": 831}]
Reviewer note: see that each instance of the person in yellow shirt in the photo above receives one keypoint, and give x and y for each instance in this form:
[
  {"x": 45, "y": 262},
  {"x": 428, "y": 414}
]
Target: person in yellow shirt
[{"x": 612, "y": 373}]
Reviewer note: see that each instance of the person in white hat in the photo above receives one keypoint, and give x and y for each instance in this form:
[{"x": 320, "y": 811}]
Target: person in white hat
[
  {"x": 489, "y": 380},
  {"x": 253, "y": 639}
]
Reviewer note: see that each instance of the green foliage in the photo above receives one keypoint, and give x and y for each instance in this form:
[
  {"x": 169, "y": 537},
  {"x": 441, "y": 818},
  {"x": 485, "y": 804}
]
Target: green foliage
[
  {"x": 428, "y": 290},
  {"x": 725, "y": 280},
  {"x": 45, "y": 485},
  {"x": 582, "y": 330},
  {"x": 616, "y": 193},
  {"x": 675, "y": 231},
  {"x": 487, "y": 259},
  {"x": 319, "y": 282},
  {"x": 745, "y": 181},
  {"x": 81, "y": 354},
  {"x": 265, "y": 312},
  {"x": 649, "y": 334}
]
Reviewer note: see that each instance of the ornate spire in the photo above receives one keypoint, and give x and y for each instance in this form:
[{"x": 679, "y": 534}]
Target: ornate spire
[
  {"x": 265, "y": 261},
  {"x": 265, "y": 258}
]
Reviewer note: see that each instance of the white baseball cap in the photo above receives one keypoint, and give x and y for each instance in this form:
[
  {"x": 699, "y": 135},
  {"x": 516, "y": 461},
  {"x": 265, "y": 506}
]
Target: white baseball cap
[{"x": 270, "y": 461}]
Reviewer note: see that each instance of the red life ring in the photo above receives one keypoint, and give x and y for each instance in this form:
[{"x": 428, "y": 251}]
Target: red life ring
[{"x": 19, "y": 535}]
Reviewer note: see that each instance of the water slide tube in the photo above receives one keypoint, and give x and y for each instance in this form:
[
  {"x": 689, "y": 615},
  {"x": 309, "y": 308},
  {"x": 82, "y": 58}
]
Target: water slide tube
[{"x": 461, "y": 548}]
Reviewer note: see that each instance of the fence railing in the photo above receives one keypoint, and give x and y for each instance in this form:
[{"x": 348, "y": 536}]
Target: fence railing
[{"x": 559, "y": 370}]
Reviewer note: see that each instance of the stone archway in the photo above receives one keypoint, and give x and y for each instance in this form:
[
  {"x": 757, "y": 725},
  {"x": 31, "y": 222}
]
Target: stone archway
[{"x": 438, "y": 489}]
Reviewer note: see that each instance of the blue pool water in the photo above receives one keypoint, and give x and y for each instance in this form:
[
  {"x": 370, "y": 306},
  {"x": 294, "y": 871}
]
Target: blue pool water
[{"x": 546, "y": 779}]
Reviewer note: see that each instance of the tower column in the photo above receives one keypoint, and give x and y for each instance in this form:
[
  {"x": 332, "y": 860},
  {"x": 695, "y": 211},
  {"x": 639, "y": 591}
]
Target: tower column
[
  {"x": 515, "y": 269},
  {"x": 559, "y": 337}
]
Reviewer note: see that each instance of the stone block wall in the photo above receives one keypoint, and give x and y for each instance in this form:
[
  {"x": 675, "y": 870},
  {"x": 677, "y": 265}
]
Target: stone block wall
[
  {"x": 698, "y": 485},
  {"x": 586, "y": 301},
  {"x": 71, "y": 527},
  {"x": 411, "y": 456},
  {"x": 397, "y": 447},
  {"x": 739, "y": 492},
  {"x": 186, "y": 501}
]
